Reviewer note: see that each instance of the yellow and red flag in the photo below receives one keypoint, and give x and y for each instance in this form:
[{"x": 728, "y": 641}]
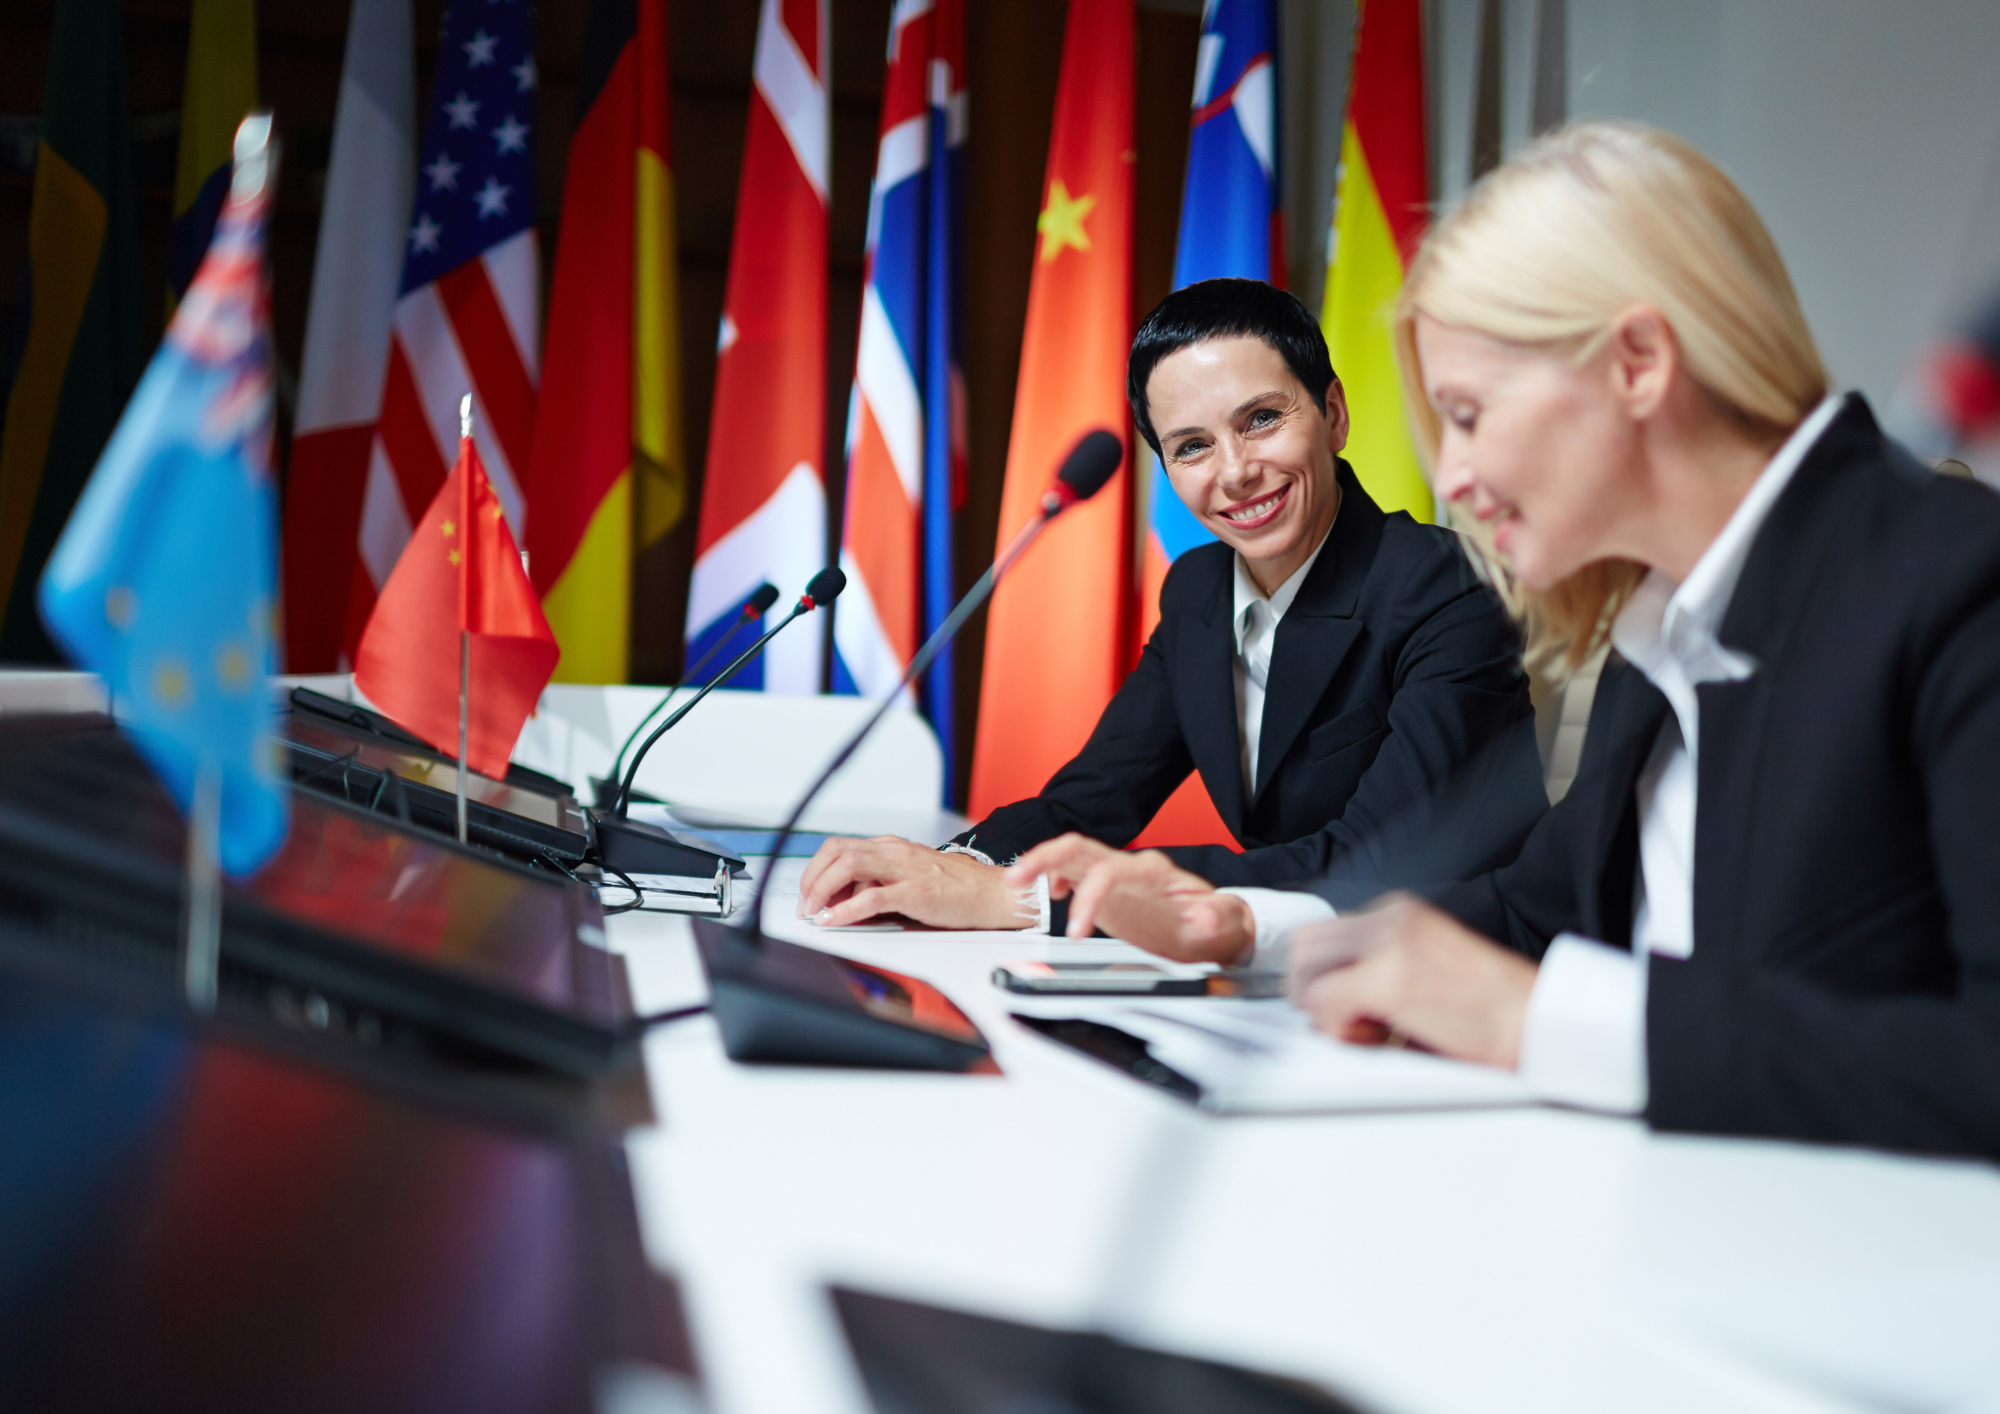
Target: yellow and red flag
[
  {"x": 1381, "y": 207},
  {"x": 1058, "y": 637},
  {"x": 607, "y": 477}
]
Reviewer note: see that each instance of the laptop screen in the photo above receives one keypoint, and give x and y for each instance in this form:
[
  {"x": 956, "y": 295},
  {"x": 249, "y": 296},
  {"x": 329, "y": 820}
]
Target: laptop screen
[{"x": 88, "y": 837}]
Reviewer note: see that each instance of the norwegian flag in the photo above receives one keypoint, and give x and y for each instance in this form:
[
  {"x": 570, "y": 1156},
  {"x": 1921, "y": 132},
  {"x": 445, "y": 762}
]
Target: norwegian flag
[
  {"x": 763, "y": 500},
  {"x": 466, "y": 319},
  {"x": 905, "y": 419}
]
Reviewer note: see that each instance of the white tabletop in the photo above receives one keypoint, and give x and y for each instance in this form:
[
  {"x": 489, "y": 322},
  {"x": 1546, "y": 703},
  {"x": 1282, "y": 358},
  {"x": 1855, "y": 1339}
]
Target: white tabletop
[{"x": 1478, "y": 1261}]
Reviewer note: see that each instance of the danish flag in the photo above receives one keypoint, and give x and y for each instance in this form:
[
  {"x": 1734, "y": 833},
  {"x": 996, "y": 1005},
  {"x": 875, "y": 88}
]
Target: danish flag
[
  {"x": 466, "y": 318},
  {"x": 905, "y": 418},
  {"x": 763, "y": 500}
]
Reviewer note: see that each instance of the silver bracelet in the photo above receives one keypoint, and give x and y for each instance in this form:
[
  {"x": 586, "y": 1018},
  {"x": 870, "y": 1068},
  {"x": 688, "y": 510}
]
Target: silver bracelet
[{"x": 979, "y": 854}]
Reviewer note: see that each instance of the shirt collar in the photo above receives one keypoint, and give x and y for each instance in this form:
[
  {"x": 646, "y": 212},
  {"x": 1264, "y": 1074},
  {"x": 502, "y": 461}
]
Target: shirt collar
[
  {"x": 1663, "y": 620},
  {"x": 1247, "y": 592}
]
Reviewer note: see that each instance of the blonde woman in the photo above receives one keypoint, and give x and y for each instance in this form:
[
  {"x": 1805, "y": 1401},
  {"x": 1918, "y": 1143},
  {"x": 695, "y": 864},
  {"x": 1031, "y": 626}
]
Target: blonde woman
[{"x": 1770, "y": 903}]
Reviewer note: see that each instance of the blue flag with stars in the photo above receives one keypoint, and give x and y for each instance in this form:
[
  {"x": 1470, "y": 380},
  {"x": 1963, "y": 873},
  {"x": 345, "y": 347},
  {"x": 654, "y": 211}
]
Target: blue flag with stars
[
  {"x": 476, "y": 182},
  {"x": 164, "y": 580}
]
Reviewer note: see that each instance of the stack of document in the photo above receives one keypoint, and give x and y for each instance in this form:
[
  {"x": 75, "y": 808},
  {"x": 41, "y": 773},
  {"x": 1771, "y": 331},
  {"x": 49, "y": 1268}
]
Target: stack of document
[{"x": 1263, "y": 1057}]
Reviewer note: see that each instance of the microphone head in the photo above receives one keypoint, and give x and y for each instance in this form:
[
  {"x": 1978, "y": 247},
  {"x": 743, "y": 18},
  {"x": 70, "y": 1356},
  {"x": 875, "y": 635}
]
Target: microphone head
[
  {"x": 1089, "y": 465},
  {"x": 823, "y": 588},
  {"x": 760, "y": 602}
]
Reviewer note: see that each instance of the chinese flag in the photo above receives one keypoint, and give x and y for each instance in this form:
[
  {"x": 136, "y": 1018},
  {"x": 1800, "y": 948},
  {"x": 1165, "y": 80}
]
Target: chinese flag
[
  {"x": 460, "y": 571},
  {"x": 1057, "y": 641}
]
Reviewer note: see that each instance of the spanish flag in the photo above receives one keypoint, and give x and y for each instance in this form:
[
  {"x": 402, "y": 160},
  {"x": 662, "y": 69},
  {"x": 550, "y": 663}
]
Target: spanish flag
[
  {"x": 1379, "y": 214},
  {"x": 220, "y": 88},
  {"x": 608, "y": 476},
  {"x": 1058, "y": 633},
  {"x": 84, "y": 350}
]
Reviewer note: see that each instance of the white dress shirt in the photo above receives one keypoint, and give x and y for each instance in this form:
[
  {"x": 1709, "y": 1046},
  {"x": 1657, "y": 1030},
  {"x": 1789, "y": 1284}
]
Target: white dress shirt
[
  {"x": 1584, "y": 1038},
  {"x": 1256, "y": 625}
]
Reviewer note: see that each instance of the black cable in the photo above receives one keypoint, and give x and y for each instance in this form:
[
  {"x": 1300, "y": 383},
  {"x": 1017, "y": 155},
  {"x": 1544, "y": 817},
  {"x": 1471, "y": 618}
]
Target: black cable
[
  {"x": 640, "y": 1025},
  {"x": 399, "y": 795},
  {"x": 327, "y": 765},
  {"x": 638, "y": 894}
]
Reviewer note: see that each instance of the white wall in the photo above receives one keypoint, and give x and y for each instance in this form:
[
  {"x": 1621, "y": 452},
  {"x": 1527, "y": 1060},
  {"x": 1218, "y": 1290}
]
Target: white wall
[{"x": 1867, "y": 134}]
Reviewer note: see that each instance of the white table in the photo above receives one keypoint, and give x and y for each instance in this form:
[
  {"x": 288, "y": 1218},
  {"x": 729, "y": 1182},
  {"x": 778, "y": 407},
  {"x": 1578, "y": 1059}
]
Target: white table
[{"x": 1529, "y": 1259}]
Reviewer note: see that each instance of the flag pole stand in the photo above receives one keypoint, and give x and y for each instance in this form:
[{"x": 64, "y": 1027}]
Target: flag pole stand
[
  {"x": 201, "y": 920},
  {"x": 464, "y": 629},
  {"x": 464, "y": 678}
]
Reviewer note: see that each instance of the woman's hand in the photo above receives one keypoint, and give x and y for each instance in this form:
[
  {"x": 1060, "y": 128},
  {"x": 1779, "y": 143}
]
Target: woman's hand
[
  {"x": 1408, "y": 970},
  {"x": 1144, "y": 899},
  {"x": 850, "y": 881}
]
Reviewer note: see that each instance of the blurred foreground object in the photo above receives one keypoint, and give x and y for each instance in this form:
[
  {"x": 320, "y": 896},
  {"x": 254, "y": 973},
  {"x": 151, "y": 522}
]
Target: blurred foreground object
[{"x": 165, "y": 578}]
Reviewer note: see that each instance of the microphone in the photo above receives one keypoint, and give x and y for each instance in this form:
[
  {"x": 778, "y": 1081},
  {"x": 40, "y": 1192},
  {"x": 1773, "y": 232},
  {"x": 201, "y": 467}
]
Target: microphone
[
  {"x": 755, "y": 607},
  {"x": 823, "y": 588},
  {"x": 1090, "y": 463},
  {"x": 634, "y": 847},
  {"x": 779, "y": 1001}
]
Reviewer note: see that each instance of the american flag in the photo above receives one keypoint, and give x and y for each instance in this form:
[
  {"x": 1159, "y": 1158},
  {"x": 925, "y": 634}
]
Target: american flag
[
  {"x": 905, "y": 424},
  {"x": 466, "y": 319}
]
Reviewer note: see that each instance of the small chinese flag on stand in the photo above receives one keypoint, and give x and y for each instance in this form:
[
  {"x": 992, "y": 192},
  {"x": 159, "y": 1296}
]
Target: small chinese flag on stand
[{"x": 460, "y": 571}]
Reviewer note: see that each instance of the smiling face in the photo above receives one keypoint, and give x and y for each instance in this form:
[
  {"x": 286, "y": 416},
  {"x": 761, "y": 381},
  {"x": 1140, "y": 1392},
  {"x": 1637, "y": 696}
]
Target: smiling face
[
  {"x": 1247, "y": 450},
  {"x": 1536, "y": 447}
]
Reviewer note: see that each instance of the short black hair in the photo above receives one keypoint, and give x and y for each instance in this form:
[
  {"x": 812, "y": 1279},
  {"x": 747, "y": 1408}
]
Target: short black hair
[{"x": 1220, "y": 309}]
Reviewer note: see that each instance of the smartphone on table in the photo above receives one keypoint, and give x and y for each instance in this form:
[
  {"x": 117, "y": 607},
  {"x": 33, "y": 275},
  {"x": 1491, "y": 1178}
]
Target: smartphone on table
[{"x": 1099, "y": 979}]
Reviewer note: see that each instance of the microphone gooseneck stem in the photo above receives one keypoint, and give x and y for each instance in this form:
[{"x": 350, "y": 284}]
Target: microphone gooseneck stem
[
  {"x": 618, "y": 761},
  {"x": 963, "y": 610},
  {"x": 804, "y": 606}
]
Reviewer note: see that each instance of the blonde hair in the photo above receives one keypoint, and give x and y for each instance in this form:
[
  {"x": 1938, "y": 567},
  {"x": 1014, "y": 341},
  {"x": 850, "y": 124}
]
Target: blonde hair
[{"x": 1549, "y": 249}]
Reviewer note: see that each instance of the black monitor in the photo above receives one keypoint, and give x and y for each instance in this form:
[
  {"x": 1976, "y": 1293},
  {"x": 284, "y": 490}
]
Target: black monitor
[
  {"x": 393, "y": 778},
  {"x": 188, "y": 1223},
  {"x": 371, "y": 723},
  {"x": 392, "y": 936}
]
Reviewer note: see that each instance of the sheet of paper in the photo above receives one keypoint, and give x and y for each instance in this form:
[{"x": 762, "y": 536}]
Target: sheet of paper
[{"x": 1263, "y": 1057}]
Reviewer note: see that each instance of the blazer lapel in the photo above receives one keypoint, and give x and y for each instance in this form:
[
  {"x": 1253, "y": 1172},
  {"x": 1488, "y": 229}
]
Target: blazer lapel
[
  {"x": 1768, "y": 607},
  {"x": 1205, "y": 688},
  {"x": 1631, "y": 729},
  {"x": 1321, "y": 626}
]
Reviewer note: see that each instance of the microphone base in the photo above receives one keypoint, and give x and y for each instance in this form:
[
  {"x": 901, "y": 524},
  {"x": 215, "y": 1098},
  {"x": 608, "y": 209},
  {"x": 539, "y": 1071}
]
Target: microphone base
[
  {"x": 635, "y": 847},
  {"x": 779, "y": 1003}
]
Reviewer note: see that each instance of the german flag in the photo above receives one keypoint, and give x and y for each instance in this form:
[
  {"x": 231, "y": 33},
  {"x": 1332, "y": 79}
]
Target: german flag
[
  {"x": 84, "y": 350},
  {"x": 1380, "y": 212},
  {"x": 608, "y": 476}
]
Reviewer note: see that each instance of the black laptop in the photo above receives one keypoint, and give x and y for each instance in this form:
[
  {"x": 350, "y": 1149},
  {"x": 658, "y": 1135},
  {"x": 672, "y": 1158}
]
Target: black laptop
[
  {"x": 533, "y": 819},
  {"x": 359, "y": 925}
]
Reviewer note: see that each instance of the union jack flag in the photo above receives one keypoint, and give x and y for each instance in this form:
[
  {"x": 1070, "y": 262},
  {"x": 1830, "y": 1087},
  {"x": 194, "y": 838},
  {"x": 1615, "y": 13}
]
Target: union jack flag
[
  {"x": 763, "y": 498},
  {"x": 905, "y": 417},
  {"x": 466, "y": 319}
]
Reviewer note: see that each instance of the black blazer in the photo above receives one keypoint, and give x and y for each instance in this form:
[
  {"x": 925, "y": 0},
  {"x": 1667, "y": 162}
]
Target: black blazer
[
  {"x": 1845, "y": 981},
  {"x": 1398, "y": 737}
]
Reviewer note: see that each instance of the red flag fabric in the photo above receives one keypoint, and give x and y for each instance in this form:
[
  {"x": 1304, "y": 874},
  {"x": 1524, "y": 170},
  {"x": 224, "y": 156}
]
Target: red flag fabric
[
  {"x": 1057, "y": 636},
  {"x": 461, "y": 569}
]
